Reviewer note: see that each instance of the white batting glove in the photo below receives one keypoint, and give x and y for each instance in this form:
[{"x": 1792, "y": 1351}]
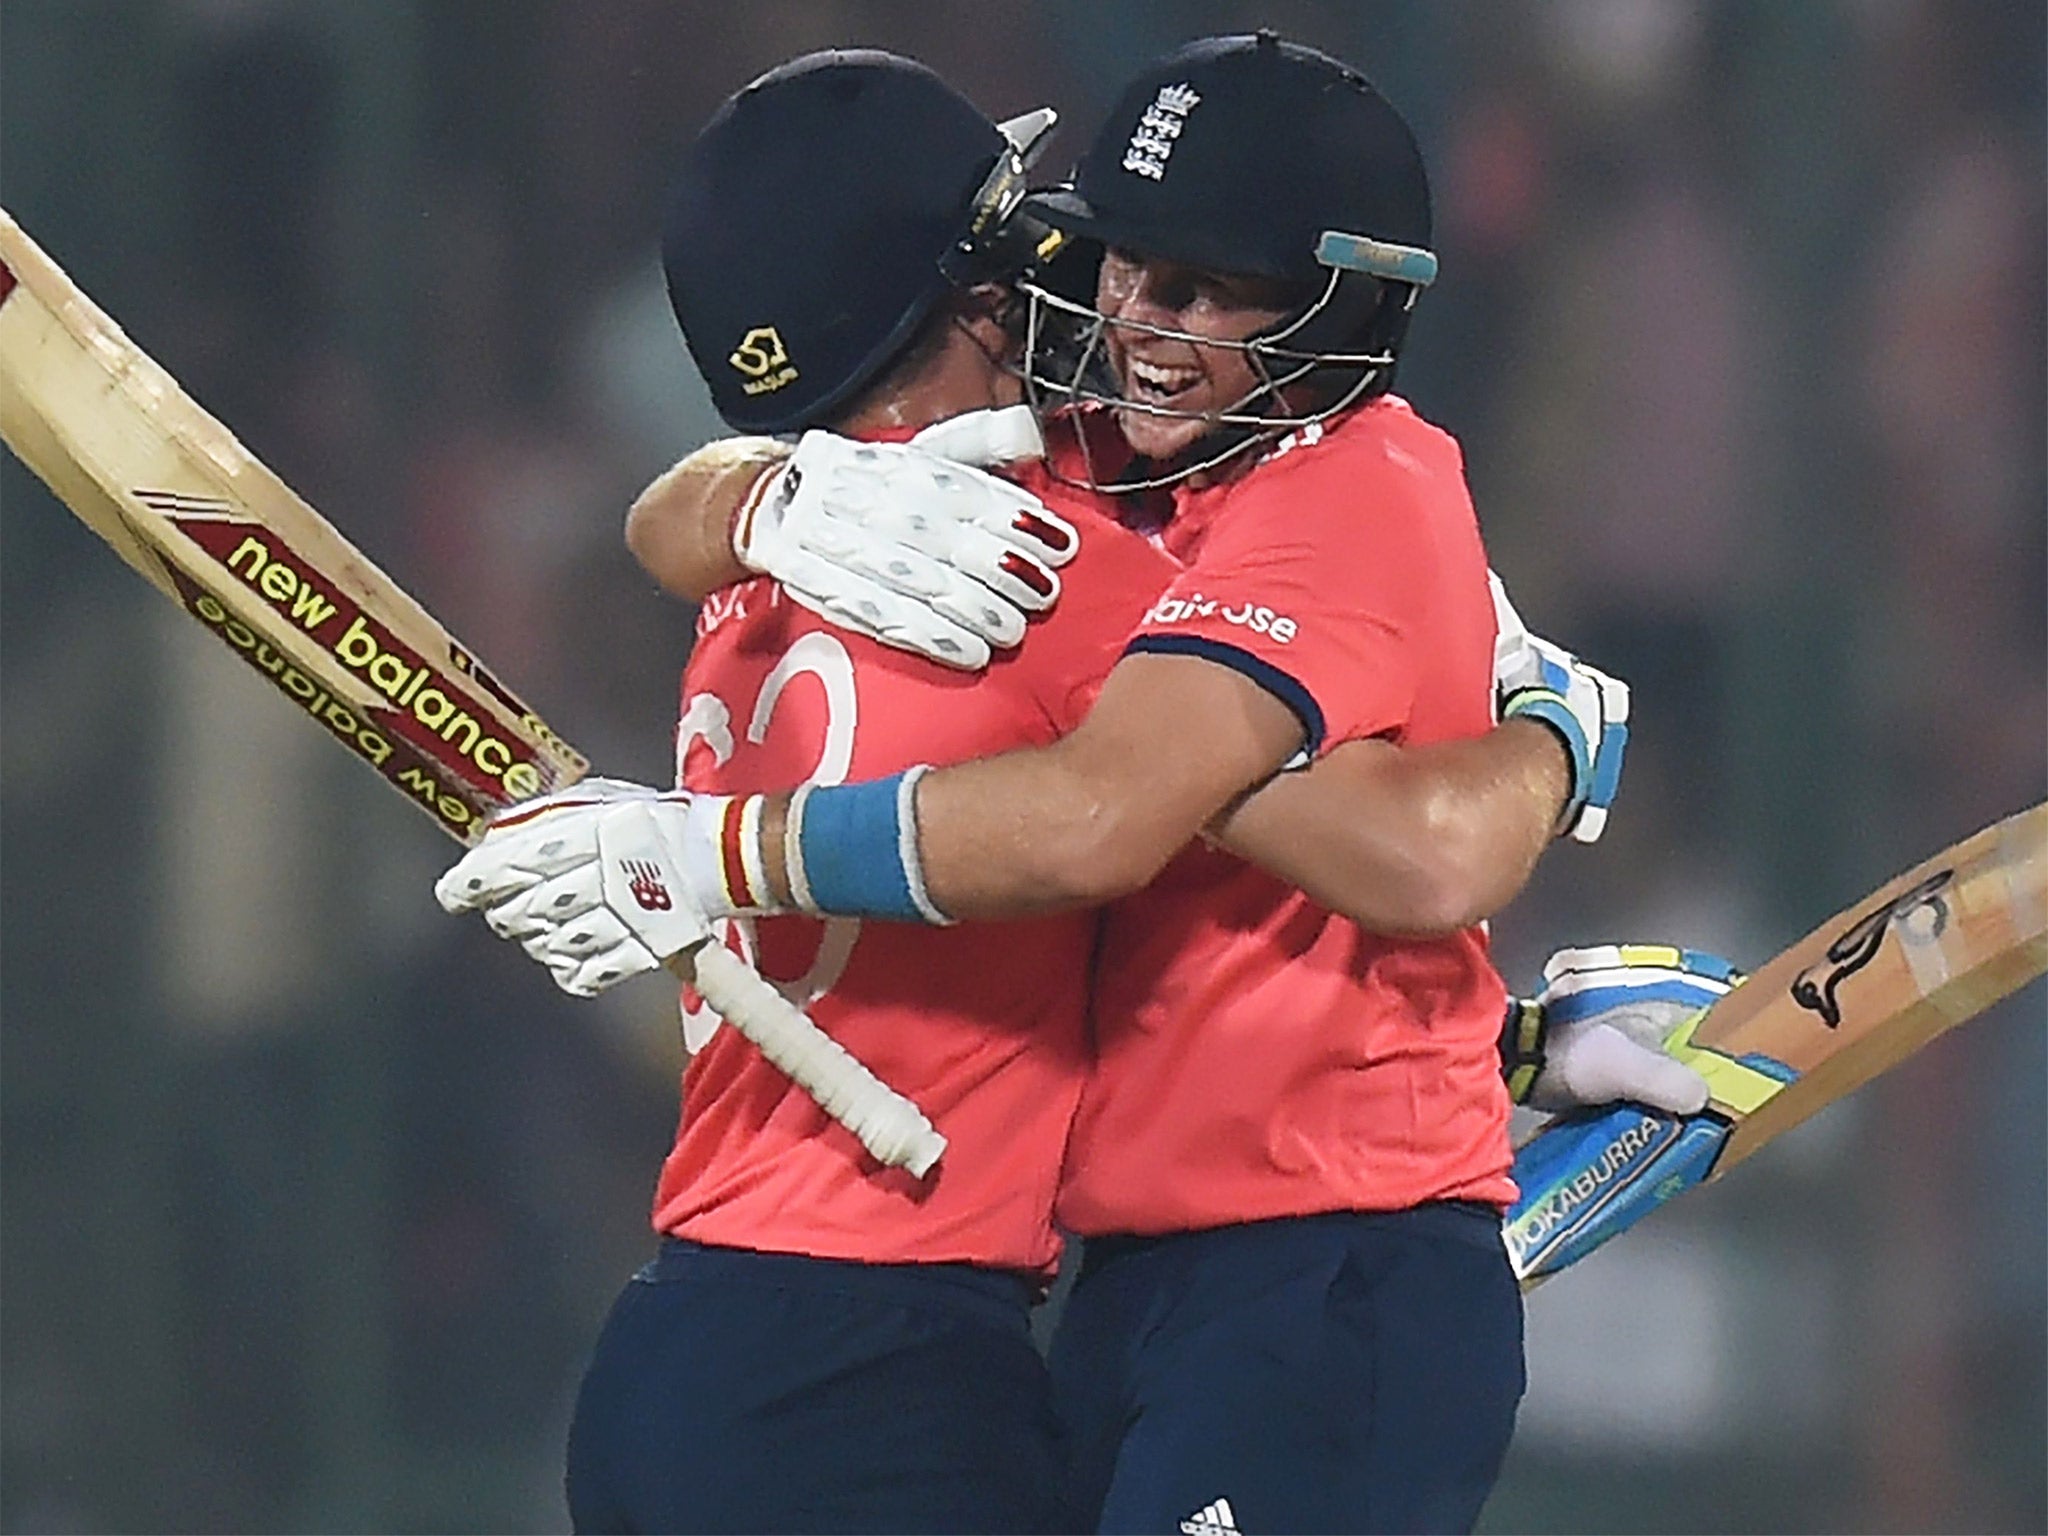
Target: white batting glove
[
  {"x": 594, "y": 882},
  {"x": 904, "y": 543},
  {"x": 1537, "y": 680},
  {"x": 1606, "y": 1012}
]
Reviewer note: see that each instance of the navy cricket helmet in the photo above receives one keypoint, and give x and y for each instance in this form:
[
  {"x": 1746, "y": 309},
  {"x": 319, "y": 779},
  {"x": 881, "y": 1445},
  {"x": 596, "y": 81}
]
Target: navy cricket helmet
[
  {"x": 1253, "y": 154},
  {"x": 819, "y": 217}
]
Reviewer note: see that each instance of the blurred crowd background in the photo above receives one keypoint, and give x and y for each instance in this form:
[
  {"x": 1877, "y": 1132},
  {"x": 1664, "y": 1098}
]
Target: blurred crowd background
[{"x": 311, "y": 1198}]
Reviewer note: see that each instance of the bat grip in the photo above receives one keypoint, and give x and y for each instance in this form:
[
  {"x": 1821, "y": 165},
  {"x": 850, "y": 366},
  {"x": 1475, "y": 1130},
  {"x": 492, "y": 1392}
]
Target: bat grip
[{"x": 888, "y": 1125}]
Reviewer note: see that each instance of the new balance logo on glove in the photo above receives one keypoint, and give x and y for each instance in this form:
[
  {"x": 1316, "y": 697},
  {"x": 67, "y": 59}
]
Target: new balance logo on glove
[
  {"x": 647, "y": 886},
  {"x": 1213, "y": 1520}
]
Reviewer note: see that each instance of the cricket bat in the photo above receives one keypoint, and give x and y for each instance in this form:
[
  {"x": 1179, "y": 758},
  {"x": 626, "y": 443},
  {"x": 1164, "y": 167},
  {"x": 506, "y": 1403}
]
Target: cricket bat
[
  {"x": 206, "y": 523},
  {"x": 1861, "y": 993}
]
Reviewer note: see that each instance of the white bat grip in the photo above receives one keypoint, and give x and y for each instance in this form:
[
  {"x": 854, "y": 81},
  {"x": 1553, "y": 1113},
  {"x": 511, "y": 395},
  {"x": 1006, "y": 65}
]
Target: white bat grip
[{"x": 888, "y": 1125}]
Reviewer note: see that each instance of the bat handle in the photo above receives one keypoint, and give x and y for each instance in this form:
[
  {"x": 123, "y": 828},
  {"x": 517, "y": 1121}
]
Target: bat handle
[{"x": 888, "y": 1125}]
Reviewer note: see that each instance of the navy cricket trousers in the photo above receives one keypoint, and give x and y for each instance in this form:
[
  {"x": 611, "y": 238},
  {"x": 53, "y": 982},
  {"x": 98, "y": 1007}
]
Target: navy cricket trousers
[
  {"x": 1356, "y": 1371},
  {"x": 739, "y": 1391}
]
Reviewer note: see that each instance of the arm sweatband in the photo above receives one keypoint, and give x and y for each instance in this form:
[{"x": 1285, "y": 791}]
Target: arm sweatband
[{"x": 852, "y": 850}]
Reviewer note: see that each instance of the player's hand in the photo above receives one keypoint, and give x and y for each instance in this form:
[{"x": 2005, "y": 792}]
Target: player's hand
[
  {"x": 1606, "y": 1012},
  {"x": 1534, "y": 679},
  {"x": 589, "y": 881},
  {"x": 909, "y": 547}
]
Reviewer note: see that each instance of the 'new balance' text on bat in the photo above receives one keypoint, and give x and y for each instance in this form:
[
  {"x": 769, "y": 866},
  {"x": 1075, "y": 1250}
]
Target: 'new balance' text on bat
[{"x": 196, "y": 513}]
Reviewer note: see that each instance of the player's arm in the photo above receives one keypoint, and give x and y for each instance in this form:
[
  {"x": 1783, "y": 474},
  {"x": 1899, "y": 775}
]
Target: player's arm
[
  {"x": 1402, "y": 840},
  {"x": 1171, "y": 741},
  {"x": 1410, "y": 840},
  {"x": 1174, "y": 740},
  {"x": 1431, "y": 839},
  {"x": 680, "y": 528}
]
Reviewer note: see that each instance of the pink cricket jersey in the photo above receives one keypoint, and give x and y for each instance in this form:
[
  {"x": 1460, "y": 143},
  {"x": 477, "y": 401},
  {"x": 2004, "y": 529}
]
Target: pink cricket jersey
[
  {"x": 1260, "y": 1056},
  {"x": 983, "y": 1025}
]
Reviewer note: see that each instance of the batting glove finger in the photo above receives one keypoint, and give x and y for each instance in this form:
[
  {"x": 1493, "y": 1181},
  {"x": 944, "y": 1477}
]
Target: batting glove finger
[
  {"x": 983, "y": 602},
  {"x": 589, "y": 976},
  {"x": 581, "y": 937},
  {"x": 922, "y": 554},
  {"x": 529, "y": 843},
  {"x": 1598, "y": 1064},
  {"x": 547, "y": 904},
  {"x": 602, "y": 972},
  {"x": 491, "y": 874},
  {"x": 592, "y": 955},
  {"x": 512, "y": 921}
]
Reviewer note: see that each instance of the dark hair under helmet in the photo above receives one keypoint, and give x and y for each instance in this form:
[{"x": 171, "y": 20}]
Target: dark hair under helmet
[{"x": 816, "y": 220}]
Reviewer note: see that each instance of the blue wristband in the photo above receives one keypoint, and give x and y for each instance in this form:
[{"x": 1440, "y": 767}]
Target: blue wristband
[{"x": 857, "y": 844}]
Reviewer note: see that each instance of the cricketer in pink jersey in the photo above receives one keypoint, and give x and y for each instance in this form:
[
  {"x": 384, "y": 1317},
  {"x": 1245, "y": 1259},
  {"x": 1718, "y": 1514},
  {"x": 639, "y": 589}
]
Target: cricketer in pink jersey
[
  {"x": 981, "y": 1025},
  {"x": 819, "y": 1344},
  {"x": 1260, "y": 1055}
]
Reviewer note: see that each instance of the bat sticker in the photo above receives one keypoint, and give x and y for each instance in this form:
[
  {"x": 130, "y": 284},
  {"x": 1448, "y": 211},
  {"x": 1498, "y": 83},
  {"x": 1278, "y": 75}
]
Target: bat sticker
[{"x": 1858, "y": 946}]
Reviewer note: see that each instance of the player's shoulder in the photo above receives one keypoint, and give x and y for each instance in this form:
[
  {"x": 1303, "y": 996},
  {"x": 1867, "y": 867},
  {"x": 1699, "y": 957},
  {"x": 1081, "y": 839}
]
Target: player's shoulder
[
  {"x": 1381, "y": 456},
  {"x": 1386, "y": 435}
]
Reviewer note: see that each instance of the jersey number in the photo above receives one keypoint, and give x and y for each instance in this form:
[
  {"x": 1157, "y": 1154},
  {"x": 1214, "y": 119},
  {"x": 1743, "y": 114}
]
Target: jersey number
[{"x": 708, "y": 718}]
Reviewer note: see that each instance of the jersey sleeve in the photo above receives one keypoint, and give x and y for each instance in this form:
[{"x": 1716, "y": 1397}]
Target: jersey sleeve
[{"x": 1302, "y": 585}]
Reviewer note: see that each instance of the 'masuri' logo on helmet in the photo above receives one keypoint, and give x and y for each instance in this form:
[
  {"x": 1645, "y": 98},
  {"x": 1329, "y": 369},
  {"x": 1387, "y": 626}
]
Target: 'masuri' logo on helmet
[
  {"x": 764, "y": 360},
  {"x": 1152, "y": 143}
]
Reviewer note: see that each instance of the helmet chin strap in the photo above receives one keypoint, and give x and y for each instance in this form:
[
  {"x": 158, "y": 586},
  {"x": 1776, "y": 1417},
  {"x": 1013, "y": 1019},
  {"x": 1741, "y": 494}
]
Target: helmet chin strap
[{"x": 1232, "y": 431}]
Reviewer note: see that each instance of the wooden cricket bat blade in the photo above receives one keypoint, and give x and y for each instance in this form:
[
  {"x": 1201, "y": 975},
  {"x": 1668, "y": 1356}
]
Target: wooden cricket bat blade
[
  {"x": 139, "y": 462},
  {"x": 177, "y": 497}
]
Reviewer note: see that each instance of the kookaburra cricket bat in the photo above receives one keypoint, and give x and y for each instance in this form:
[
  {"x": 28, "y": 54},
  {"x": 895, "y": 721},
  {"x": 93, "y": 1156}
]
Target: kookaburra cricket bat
[
  {"x": 205, "y": 522},
  {"x": 1861, "y": 993}
]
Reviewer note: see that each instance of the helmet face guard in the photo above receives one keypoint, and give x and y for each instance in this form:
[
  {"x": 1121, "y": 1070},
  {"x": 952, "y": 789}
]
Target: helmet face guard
[
  {"x": 1335, "y": 351},
  {"x": 1000, "y": 239},
  {"x": 1247, "y": 155}
]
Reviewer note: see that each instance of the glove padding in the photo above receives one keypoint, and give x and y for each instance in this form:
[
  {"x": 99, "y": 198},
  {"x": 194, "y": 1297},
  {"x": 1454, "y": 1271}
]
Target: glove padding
[
  {"x": 906, "y": 544},
  {"x": 589, "y": 881},
  {"x": 1607, "y": 1011},
  {"x": 1535, "y": 679}
]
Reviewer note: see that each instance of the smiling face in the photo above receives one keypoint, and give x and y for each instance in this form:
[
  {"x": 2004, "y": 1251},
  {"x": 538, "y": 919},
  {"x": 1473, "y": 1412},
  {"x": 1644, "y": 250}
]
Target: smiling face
[{"x": 1181, "y": 374}]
